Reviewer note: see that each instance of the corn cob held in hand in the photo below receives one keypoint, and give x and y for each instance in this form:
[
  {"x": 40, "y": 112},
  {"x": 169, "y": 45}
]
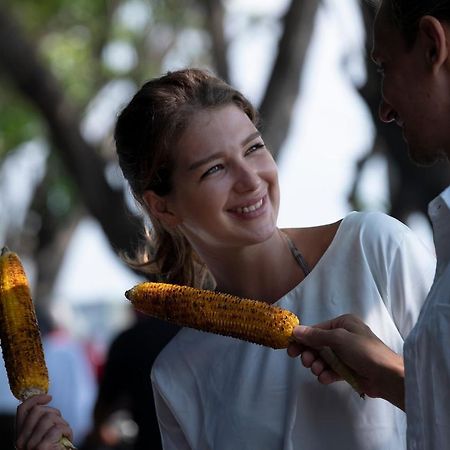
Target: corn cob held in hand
[
  {"x": 225, "y": 314},
  {"x": 19, "y": 333}
]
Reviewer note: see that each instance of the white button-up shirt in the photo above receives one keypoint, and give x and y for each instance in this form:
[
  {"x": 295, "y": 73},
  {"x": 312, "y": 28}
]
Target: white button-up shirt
[{"x": 427, "y": 348}]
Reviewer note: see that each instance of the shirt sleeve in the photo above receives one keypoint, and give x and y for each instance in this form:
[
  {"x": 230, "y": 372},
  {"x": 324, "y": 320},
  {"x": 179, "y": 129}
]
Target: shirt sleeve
[{"x": 410, "y": 276}]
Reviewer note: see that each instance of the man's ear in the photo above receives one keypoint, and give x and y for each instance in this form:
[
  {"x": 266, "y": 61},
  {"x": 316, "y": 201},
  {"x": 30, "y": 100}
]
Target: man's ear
[
  {"x": 435, "y": 38},
  {"x": 158, "y": 207}
]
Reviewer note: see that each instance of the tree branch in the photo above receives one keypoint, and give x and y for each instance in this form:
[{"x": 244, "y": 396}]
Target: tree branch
[{"x": 283, "y": 87}]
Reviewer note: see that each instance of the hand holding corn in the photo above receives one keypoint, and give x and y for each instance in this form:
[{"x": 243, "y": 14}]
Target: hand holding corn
[
  {"x": 19, "y": 334},
  {"x": 225, "y": 314}
]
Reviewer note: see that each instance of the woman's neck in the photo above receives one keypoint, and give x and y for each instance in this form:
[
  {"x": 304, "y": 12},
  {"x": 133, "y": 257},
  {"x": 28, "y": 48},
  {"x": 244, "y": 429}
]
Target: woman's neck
[{"x": 264, "y": 271}]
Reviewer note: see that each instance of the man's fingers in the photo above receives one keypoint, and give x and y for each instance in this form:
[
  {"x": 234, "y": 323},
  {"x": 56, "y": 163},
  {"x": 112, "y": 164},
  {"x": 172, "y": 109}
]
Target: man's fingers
[
  {"x": 308, "y": 357},
  {"x": 328, "y": 376},
  {"x": 294, "y": 350},
  {"x": 24, "y": 408}
]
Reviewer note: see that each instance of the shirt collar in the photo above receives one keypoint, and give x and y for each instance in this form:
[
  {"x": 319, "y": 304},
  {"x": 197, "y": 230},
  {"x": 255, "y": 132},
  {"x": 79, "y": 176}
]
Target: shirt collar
[{"x": 439, "y": 212}]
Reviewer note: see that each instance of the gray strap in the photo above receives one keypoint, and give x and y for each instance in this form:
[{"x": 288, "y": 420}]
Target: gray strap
[{"x": 297, "y": 255}]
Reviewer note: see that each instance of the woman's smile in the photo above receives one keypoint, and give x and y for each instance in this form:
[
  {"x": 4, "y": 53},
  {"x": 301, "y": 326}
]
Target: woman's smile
[{"x": 251, "y": 209}]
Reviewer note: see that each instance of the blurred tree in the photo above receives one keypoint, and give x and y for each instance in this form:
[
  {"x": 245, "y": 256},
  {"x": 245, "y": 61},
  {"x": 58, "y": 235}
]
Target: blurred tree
[{"x": 56, "y": 59}]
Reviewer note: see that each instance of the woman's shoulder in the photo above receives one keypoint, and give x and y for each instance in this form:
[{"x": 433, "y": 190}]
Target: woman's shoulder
[
  {"x": 366, "y": 221},
  {"x": 379, "y": 234},
  {"x": 373, "y": 219},
  {"x": 375, "y": 224},
  {"x": 355, "y": 230}
]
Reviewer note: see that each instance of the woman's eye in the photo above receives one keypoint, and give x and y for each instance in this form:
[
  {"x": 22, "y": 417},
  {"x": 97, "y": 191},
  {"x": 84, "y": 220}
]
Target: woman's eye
[
  {"x": 212, "y": 170},
  {"x": 253, "y": 148}
]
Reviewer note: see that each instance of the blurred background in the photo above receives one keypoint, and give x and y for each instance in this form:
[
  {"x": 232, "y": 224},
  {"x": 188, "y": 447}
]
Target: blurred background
[{"x": 67, "y": 67}]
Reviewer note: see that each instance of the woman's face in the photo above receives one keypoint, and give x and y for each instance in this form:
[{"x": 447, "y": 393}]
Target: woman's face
[{"x": 225, "y": 182}]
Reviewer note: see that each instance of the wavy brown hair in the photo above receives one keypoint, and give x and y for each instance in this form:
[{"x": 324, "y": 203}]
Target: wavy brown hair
[{"x": 146, "y": 134}]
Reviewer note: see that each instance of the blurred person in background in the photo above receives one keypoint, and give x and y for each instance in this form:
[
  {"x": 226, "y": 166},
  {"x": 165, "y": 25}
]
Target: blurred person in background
[
  {"x": 412, "y": 50},
  {"x": 72, "y": 389},
  {"x": 73, "y": 384},
  {"x": 124, "y": 413}
]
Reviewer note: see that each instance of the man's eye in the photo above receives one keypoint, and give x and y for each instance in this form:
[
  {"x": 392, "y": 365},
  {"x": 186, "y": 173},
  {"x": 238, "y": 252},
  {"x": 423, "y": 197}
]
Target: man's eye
[
  {"x": 212, "y": 170},
  {"x": 253, "y": 148}
]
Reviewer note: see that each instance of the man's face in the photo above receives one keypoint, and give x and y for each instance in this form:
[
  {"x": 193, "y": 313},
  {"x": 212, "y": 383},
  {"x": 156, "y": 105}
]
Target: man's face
[{"x": 412, "y": 94}]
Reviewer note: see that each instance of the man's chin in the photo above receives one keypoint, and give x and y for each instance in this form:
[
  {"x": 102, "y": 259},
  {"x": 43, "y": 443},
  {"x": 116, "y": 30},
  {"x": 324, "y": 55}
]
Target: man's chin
[{"x": 426, "y": 157}]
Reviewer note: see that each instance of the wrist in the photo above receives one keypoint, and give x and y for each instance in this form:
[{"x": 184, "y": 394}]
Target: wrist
[{"x": 393, "y": 382}]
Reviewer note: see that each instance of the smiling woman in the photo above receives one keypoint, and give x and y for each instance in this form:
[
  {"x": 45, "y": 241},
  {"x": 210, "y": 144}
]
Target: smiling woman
[{"x": 190, "y": 147}]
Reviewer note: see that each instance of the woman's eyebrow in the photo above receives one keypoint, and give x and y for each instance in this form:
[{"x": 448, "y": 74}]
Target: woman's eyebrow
[
  {"x": 250, "y": 138},
  {"x": 201, "y": 162},
  {"x": 212, "y": 157}
]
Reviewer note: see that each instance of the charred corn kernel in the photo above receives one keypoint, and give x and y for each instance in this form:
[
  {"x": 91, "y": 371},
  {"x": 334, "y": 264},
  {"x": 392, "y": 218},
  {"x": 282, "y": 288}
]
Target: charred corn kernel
[
  {"x": 20, "y": 338},
  {"x": 19, "y": 332},
  {"x": 246, "y": 319}
]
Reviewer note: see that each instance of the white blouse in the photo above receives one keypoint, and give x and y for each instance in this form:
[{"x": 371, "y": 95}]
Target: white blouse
[{"x": 215, "y": 392}]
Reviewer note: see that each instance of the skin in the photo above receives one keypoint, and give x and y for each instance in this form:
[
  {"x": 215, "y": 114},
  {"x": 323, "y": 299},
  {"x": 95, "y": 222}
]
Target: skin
[
  {"x": 40, "y": 426},
  {"x": 416, "y": 96}
]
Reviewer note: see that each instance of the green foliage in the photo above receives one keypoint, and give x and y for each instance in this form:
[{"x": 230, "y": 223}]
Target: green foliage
[
  {"x": 69, "y": 58},
  {"x": 18, "y": 121}
]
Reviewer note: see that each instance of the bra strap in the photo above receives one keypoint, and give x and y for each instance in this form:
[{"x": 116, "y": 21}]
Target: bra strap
[{"x": 297, "y": 255}]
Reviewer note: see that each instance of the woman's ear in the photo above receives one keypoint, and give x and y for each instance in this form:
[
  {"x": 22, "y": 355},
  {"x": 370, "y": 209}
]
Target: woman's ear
[
  {"x": 158, "y": 207},
  {"x": 435, "y": 38}
]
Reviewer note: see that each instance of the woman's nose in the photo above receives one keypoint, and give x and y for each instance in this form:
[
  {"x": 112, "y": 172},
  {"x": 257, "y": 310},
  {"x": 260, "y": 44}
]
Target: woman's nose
[
  {"x": 247, "y": 179},
  {"x": 386, "y": 112}
]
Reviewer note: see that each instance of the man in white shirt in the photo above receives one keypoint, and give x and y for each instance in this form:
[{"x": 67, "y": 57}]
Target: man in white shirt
[{"x": 412, "y": 50}]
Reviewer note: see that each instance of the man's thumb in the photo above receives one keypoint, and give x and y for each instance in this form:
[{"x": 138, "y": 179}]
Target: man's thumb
[{"x": 310, "y": 336}]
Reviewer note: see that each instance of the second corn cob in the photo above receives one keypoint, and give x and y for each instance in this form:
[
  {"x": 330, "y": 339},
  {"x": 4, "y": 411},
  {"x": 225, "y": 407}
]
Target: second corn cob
[
  {"x": 19, "y": 333},
  {"x": 225, "y": 314}
]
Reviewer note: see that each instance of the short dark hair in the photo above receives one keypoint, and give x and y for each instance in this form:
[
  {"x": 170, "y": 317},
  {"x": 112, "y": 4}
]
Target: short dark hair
[{"x": 406, "y": 14}]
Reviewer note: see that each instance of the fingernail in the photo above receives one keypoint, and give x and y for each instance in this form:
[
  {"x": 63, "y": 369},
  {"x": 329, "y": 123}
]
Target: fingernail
[{"x": 299, "y": 330}]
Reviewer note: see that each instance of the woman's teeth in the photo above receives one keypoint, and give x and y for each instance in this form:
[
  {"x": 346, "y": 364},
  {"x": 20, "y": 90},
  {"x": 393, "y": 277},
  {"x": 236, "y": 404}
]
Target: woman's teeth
[{"x": 251, "y": 208}]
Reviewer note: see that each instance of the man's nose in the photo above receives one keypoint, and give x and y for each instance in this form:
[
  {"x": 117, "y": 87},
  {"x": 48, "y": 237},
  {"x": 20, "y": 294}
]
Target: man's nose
[{"x": 386, "y": 112}]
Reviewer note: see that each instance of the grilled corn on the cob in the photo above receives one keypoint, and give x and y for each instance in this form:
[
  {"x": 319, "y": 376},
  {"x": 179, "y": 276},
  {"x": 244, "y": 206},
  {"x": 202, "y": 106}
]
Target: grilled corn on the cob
[
  {"x": 19, "y": 333},
  {"x": 225, "y": 314}
]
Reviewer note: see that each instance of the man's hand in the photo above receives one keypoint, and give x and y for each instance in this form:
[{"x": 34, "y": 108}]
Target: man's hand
[{"x": 379, "y": 370}]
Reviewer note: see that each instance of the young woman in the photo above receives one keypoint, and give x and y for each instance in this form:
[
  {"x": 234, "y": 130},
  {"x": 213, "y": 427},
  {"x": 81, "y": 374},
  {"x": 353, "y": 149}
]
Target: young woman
[{"x": 189, "y": 146}]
